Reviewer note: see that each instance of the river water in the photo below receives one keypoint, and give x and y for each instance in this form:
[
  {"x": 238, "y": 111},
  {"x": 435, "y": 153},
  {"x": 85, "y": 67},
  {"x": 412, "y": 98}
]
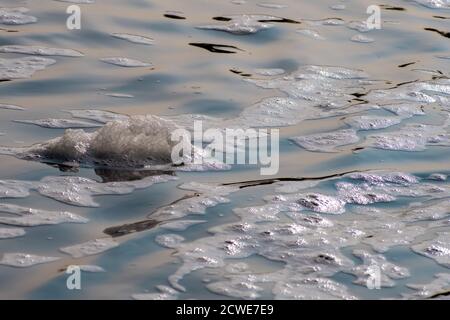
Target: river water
[{"x": 361, "y": 196}]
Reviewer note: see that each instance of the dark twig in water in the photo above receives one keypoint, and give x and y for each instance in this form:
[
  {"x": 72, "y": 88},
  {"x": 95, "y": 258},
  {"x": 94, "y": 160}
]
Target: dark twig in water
[
  {"x": 442, "y": 33},
  {"x": 143, "y": 225},
  {"x": 174, "y": 16},
  {"x": 440, "y": 294},
  {"x": 388, "y": 7},
  {"x": 149, "y": 223},
  {"x": 255, "y": 183},
  {"x": 406, "y": 64},
  {"x": 216, "y": 48},
  {"x": 125, "y": 229}
]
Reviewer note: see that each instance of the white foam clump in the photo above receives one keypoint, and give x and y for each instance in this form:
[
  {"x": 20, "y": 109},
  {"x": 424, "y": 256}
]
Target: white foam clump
[
  {"x": 133, "y": 38},
  {"x": 91, "y": 268},
  {"x": 24, "y": 260},
  {"x": 405, "y": 110},
  {"x": 412, "y": 137},
  {"x": 30, "y": 217},
  {"x": 327, "y": 142},
  {"x": 271, "y": 5},
  {"x": 59, "y": 123},
  {"x": 388, "y": 271},
  {"x": 242, "y": 24},
  {"x": 165, "y": 293},
  {"x": 205, "y": 196},
  {"x": 125, "y": 62},
  {"x": 270, "y": 71},
  {"x": 372, "y": 122},
  {"x": 313, "y": 92},
  {"x": 133, "y": 142},
  {"x": 90, "y": 248},
  {"x": 16, "y": 16},
  {"x": 316, "y": 202},
  {"x": 169, "y": 240},
  {"x": 181, "y": 225},
  {"x": 22, "y": 68},
  {"x": 101, "y": 116},
  {"x": 439, "y": 286},
  {"x": 360, "y": 26},
  {"x": 42, "y": 51},
  {"x": 309, "y": 244},
  {"x": 438, "y": 176},
  {"x": 311, "y": 34},
  {"x": 338, "y": 6},
  {"x": 75, "y": 191},
  {"x": 11, "y": 107},
  {"x": 435, "y": 4},
  {"x": 437, "y": 249},
  {"x": 361, "y": 39},
  {"x": 7, "y": 233},
  {"x": 119, "y": 95}
]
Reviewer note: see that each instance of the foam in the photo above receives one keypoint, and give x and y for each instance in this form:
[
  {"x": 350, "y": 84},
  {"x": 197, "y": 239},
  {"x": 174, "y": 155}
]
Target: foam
[
  {"x": 7, "y": 233},
  {"x": 311, "y": 34},
  {"x": 361, "y": 38},
  {"x": 16, "y": 16},
  {"x": 169, "y": 240},
  {"x": 437, "y": 176},
  {"x": 24, "y": 260},
  {"x": 411, "y": 137},
  {"x": 372, "y": 122},
  {"x": 29, "y": 217},
  {"x": 181, "y": 225},
  {"x": 205, "y": 196},
  {"x": 439, "y": 285},
  {"x": 388, "y": 271},
  {"x": 11, "y": 107},
  {"x": 134, "y": 142},
  {"x": 41, "y": 51},
  {"x": 271, "y": 5},
  {"x": 91, "y": 268},
  {"x": 327, "y": 142},
  {"x": 437, "y": 249},
  {"x": 59, "y": 123},
  {"x": 270, "y": 71},
  {"x": 133, "y": 38},
  {"x": 125, "y": 62},
  {"x": 71, "y": 190},
  {"x": 90, "y": 248},
  {"x": 435, "y": 4},
  {"x": 22, "y": 68},
  {"x": 286, "y": 229},
  {"x": 242, "y": 24},
  {"x": 98, "y": 115},
  {"x": 165, "y": 293}
]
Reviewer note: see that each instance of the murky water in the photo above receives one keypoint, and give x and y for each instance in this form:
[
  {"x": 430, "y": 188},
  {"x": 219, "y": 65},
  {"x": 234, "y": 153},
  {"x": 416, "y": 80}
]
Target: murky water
[{"x": 364, "y": 150}]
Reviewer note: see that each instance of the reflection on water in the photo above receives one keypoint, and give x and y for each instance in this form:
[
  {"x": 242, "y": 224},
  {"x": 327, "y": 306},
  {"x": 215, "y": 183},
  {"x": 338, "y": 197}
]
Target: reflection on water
[{"x": 365, "y": 134}]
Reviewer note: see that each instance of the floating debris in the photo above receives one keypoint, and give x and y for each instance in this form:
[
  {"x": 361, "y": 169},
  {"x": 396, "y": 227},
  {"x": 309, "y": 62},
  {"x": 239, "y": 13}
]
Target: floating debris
[{"x": 216, "y": 48}]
